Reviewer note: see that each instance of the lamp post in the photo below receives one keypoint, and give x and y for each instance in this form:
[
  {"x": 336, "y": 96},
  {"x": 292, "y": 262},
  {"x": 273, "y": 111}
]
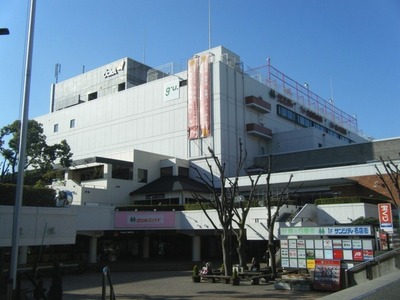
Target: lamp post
[{"x": 22, "y": 147}]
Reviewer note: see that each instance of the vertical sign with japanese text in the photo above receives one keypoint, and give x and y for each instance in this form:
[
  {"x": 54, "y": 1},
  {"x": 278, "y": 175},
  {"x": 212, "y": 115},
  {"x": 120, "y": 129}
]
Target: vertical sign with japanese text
[{"x": 385, "y": 217}]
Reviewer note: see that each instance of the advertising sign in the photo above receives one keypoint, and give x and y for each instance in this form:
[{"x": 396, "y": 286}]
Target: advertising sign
[
  {"x": 171, "y": 90},
  {"x": 385, "y": 217},
  {"x": 193, "y": 99},
  {"x": 327, "y": 249},
  {"x": 135, "y": 219},
  {"x": 205, "y": 96},
  {"x": 327, "y": 230},
  {"x": 327, "y": 275}
]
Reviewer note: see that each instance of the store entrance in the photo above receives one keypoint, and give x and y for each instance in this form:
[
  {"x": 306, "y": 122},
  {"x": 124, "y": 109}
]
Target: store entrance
[{"x": 131, "y": 246}]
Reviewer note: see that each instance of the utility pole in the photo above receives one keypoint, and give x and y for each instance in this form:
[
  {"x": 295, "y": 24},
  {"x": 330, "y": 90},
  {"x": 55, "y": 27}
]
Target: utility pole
[{"x": 22, "y": 154}]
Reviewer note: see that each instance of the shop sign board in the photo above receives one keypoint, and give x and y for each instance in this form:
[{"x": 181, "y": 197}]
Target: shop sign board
[
  {"x": 171, "y": 90},
  {"x": 385, "y": 217},
  {"x": 327, "y": 230},
  {"x": 327, "y": 274},
  {"x": 143, "y": 219}
]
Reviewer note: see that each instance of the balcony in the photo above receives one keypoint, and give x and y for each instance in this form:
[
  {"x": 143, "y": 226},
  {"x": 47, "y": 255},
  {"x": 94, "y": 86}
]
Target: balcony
[
  {"x": 258, "y": 131},
  {"x": 258, "y": 104}
]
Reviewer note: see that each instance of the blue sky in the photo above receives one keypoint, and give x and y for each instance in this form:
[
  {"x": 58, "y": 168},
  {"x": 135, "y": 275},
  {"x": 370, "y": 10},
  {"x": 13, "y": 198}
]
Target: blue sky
[{"x": 348, "y": 48}]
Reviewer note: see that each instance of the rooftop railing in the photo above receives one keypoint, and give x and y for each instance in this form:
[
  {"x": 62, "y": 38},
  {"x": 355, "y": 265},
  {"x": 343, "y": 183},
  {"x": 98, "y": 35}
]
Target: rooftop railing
[{"x": 301, "y": 94}]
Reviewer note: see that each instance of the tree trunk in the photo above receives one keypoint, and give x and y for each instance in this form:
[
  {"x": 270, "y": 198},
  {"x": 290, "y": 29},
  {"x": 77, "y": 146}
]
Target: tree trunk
[
  {"x": 241, "y": 248},
  {"x": 226, "y": 253},
  {"x": 272, "y": 252}
]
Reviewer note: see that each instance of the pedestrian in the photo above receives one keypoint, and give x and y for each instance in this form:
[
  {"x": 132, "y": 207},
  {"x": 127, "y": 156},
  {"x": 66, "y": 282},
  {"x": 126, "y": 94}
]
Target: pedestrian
[
  {"x": 266, "y": 257},
  {"x": 255, "y": 265}
]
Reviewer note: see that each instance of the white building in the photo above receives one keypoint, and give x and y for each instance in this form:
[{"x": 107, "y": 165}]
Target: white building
[
  {"x": 136, "y": 132},
  {"x": 127, "y": 112}
]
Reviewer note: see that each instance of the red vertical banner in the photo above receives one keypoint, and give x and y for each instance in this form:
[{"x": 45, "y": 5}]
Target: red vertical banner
[
  {"x": 205, "y": 94},
  {"x": 193, "y": 98},
  {"x": 385, "y": 217}
]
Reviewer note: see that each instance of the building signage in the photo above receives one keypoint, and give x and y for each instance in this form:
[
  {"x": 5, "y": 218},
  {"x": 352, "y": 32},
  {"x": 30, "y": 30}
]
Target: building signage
[
  {"x": 327, "y": 275},
  {"x": 328, "y": 230},
  {"x": 134, "y": 219},
  {"x": 205, "y": 96},
  {"x": 114, "y": 70},
  {"x": 199, "y": 97},
  {"x": 385, "y": 217},
  {"x": 171, "y": 90},
  {"x": 193, "y": 98}
]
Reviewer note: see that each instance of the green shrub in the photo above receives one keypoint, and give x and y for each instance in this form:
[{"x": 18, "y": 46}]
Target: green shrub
[{"x": 32, "y": 196}]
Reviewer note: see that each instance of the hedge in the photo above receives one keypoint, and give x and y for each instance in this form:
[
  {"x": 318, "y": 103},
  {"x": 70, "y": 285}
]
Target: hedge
[
  {"x": 32, "y": 196},
  {"x": 342, "y": 200}
]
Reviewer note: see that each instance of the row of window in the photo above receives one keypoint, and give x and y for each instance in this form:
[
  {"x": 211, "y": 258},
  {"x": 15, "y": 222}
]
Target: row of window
[
  {"x": 166, "y": 171},
  {"x": 71, "y": 125},
  {"x": 303, "y": 121}
]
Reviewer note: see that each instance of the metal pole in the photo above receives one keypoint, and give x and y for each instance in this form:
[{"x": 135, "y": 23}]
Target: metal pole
[{"x": 22, "y": 148}]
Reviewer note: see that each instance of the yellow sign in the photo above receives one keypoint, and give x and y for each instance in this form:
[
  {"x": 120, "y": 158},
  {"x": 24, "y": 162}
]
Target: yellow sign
[{"x": 311, "y": 264}]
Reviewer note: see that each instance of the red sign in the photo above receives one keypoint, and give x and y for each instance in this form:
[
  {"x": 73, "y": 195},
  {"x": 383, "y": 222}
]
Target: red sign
[
  {"x": 358, "y": 255},
  {"x": 385, "y": 213},
  {"x": 327, "y": 275},
  {"x": 338, "y": 254},
  {"x": 385, "y": 216}
]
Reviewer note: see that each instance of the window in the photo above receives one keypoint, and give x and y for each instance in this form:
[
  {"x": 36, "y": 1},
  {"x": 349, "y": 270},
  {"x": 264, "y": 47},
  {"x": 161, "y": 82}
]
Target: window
[
  {"x": 121, "y": 86},
  {"x": 182, "y": 171},
  {"x": 142, "y": 175},
  {"x": 167, "y": 171},
  {"x": 92, "y": 96},
  {"x": 72, "y": 123},
  {"x": 55, "y": 128},
  {"x": 121, "y": 172},
  {"x": 299, "y": 119}
]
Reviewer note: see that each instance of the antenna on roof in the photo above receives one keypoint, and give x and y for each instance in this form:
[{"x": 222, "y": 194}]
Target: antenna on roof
[
  {"x": 144, "y": 47},
  {"x": 57, "y": 71},
  {"x": 209, "y": 24}
]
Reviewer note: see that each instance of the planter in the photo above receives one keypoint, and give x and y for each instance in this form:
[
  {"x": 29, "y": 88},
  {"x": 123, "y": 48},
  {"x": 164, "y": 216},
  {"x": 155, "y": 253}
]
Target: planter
[{"x": 196, "y": 278}]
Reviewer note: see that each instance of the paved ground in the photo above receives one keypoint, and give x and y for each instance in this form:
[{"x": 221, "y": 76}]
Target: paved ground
[{"x": 175, "y": 285}]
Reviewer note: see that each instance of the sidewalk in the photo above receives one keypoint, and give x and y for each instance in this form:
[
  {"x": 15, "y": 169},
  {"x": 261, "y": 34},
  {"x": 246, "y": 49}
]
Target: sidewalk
[{"x": 171, "y": 285}]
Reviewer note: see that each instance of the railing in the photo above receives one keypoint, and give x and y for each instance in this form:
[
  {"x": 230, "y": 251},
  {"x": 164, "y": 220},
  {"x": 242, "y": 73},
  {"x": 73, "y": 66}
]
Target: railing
[
  {"x": 107, "y": 279},
  {"x": 368, "y": 266},
  {"x": 301, "y": 94}
]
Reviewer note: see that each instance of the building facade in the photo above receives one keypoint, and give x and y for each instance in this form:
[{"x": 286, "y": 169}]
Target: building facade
[
  {"x": 137, "y": 132},
  {"x": 128, "y": 112}
]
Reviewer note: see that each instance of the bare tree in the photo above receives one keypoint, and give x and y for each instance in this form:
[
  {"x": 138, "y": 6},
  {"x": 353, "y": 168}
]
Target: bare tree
[
  {"x": 241, "y": 210},
  {"x": 274, "y": 201},
  {"x": 222, "y": 202},
  {"x": 226, "y": 200},
  {"x": 390, "y": 179}
]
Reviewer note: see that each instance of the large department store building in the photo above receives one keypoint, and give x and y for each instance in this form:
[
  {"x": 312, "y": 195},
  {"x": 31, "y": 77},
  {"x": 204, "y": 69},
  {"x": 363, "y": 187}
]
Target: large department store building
[{"x": 137, "y": 132}]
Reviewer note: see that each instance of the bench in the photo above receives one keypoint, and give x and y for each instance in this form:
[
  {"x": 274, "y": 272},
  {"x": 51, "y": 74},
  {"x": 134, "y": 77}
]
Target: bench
[
  {"x": 214, "y": 278},
  {"x": 255, "y": 276}
]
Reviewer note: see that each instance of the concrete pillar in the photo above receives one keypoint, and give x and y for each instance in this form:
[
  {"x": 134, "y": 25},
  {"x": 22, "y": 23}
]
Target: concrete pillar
[
  {"x": 93, "y": 250},
  {"x": 146, "y": 246},
  {"x": 23, "y": 255},
  {"x": 196, "y": 248}
]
